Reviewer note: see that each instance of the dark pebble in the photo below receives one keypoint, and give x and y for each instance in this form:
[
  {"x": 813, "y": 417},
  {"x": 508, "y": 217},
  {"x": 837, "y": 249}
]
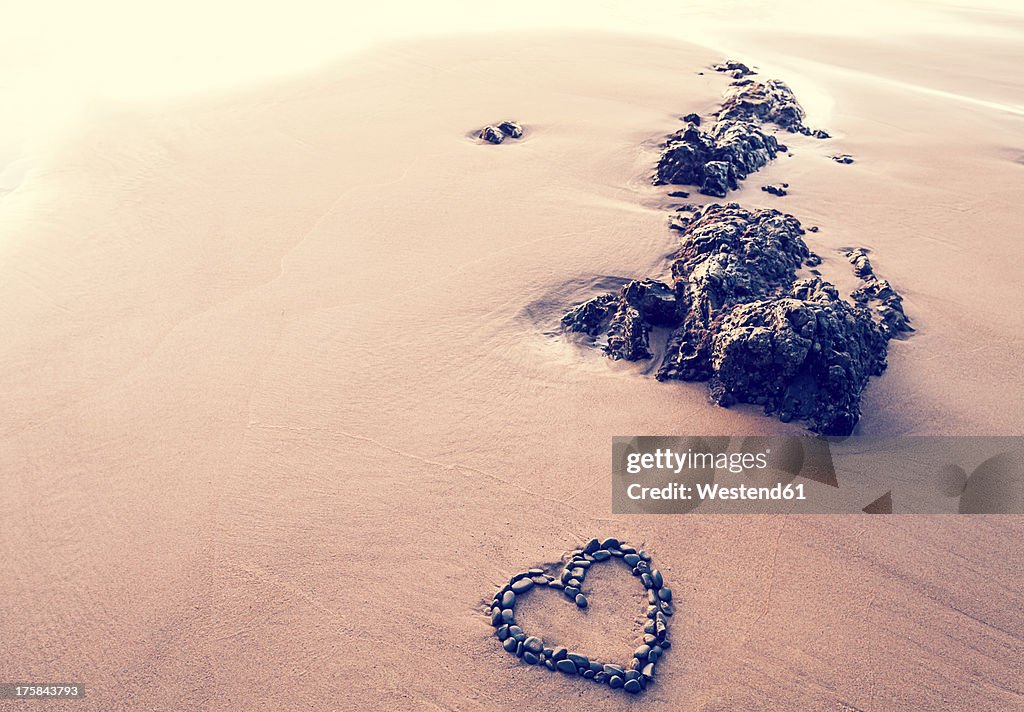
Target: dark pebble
[
  {"x": 659, "y": 580},
  {"x": 579, "y": 660},
  {"x": 549, "y": 664},
  {"x": 646, "y": 580},
  {"x": 610, "y": 543},
  {"x": 644, "y": 555},
  {"x": 516, "y": 632},
  {"x": 581, "y": 600},
  {"x": 531, "y": 658},
  {"x": 566, "y": 666},
  {"x": 588, "y": 674},
  {"x": 642, "y": 652},
  {"x": 508, "y": 616},
  {"x": 496, "y": 619},
  {"x": 631, "y": 559},
  {"x": 534, "y": 644},
  {"x": 502, "y": 632},
  {"x": 632, "y": 686},
  {"x": 615, "y": 682},
  {"x": 571, "y": 591},
  {"x": 615, "y": 670},
  {"x": 648, "y": 671},
  {"x": 615, "y": 552},
  {"x": 510, "y": 644},
  {"x": 601, "y": 555},
  {"x": 508, "y": 599},
  {"x": 522, "y": 585},
  {"x": 559, "y": 654},
  {"x": 665, "y": 594},
  {"x": 627, "y": 549},
  {"x": 592, "y": 546}
]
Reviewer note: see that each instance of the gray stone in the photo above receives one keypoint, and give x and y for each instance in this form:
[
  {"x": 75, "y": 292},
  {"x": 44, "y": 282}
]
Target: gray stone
[
  {"x": 581, "y": 600},
  {"x": 508, "y": 599},
  {"x": 615, "y": 681},
  {"x": 566, "y": 666},
  {"x": 522, "y": 585},
  {"x": 534, "y": 644},
  {"x": 632, "y": 686}
]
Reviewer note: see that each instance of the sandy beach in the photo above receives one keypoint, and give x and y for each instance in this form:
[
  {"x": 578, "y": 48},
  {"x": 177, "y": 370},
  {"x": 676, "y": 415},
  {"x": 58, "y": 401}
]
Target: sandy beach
[{"x": 285, "y": 399}]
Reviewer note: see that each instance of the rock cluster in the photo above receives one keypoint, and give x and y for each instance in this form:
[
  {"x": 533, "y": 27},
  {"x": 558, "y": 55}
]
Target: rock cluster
[
  {"x": 736, "y": 143},
  {"x": 497, "y": 134},
  {"x": 878, "y": 295},
  {"x": 740, "y": 318},
  {"x": 533, "y": 650}
]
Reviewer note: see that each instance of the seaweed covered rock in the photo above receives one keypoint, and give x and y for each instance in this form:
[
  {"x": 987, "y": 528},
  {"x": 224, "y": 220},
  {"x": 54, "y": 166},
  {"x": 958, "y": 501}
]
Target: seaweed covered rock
[
  {"x": 770, "y": 102},
  {"x": 805, "y": 357},
  {"x": 716, "y": 159},
  {"x": 742, "y": 320},
  {"x": 626, "y": 317}
]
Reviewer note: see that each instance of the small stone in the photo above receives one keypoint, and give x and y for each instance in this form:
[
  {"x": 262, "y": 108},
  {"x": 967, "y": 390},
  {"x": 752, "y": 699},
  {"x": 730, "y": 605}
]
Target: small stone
[
  {"x": 596, "y": 666},
  {"x": 556, "y": 585},
  {"x": 642, "y": 567},
  {"x": 646, "y": 580},
  {"x": 626, "y": 549},
  {"x": 631, "y": 559},
  {"x": 580, "y": 563},
  {"x": 496, "y": 619},
  {"x": 632, "y": 686},
  {"x": 610, "y": 543},
  {"x": 530, "y": 657},
  {"x": 642, "y": 652},
  {"x": 615, "y": 552},
  {"x": 511, "y": 129},
  {"x": 648, "y": 671},
  {"x": 581, "y": 600},
  {"x": 658, "y": 579},
  {"x": 559, "y": 653},
  {"x": 692, "y": 119},
  {"x": 519, "y": 648},
  {"x": 579, "y": 660},
  {"x": 600, "y": 677},
  {"x": 665, "y": 594},
  {"x": 592, "y": 546},
  {"x": 516, "y": 632},
  {"x": 644, "y": 555},
  {"x": 535, "y": 572},
  {"x": 539, "y": 581},
  {"x": 508, "y": 599},
  {"x": 649, "y": 628},
  {"x": 566, "y": 666},
  {"x": 601, "y": 555},
  {"x": 522, "y": 585},
  {"x": 578, "y": 573},
  {"x": 510, "y": 644},
  {"x": 492, "y": 134},
  {"x": 571, "y": 592},
  {"x": 649, "y": 639},
  {"x": 588, "y": 674},
  {"x": 615, "y": 682},
  {"x": 549, "y": 664},
  {"x": 534, "y": 644}
]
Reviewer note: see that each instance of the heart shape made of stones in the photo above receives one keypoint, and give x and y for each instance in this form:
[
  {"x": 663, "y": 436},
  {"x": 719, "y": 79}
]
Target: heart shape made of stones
[{"x": 532, "y": 649}]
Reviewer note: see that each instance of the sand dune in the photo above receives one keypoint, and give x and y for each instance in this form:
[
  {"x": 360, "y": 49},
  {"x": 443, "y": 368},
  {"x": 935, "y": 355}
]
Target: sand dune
[{"x": 283, "y": 406}]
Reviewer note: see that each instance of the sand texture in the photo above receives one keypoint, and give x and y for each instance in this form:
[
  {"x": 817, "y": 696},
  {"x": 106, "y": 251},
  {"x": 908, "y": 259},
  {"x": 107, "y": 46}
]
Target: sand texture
[{"x": 285, "y": 401}]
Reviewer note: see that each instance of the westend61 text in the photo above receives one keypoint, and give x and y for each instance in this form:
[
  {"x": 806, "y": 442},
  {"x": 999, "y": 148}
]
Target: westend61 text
[{"x": 707, "y": 492}]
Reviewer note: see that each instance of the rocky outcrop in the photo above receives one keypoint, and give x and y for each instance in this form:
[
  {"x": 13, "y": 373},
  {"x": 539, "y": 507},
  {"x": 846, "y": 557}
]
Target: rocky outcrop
[
  {"x": 878, "y": 295},
  {"x": 497, "y": 134},
  {"x": 741, "y": 319}
]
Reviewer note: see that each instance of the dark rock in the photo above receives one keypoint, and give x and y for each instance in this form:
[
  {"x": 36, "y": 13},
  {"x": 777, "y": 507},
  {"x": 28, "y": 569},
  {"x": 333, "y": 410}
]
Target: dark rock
[
  {"x": 511, "y": 129},
  {"x": 770, "y": 102},
  {"x": 592, "y": 546},
  {"x": 581, "y": 661},
  {"x": 632, "y": 686},
  {"x": 522, "y": 585},
  {"x": 534, "y": 644},
  {"x": 679, "y": 194},
  {"x": 566, "y": 666},
  {"x": 602, "y": 555},
  {"x": 615, "y": 681},
  {"x": 507, "y": 616},
  {"x": 581, "y": 600},
  {"x": 717, "y": 159},
  {"x": 665, "y": 594},
  {"x": 774, "y": 190},
  {"x": 648, "y": 671},
  {"x": 735, "y": 68},
  {"x": 492, "y": 134},
  {"x": 657, "y": 577},
  {"x": 820, "y": 133},
  {"x": 692, "y": 119},
  {"x": 530, "y": 657},
  {"x": 510, "y": 644},
  {"x": 812, "y": 260},
  {"x": 631, "y": 559},
  {"x": 508, "y": 599},
  {"x": 559, "y": 654},
  {"x": 843, "y": 158}
]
